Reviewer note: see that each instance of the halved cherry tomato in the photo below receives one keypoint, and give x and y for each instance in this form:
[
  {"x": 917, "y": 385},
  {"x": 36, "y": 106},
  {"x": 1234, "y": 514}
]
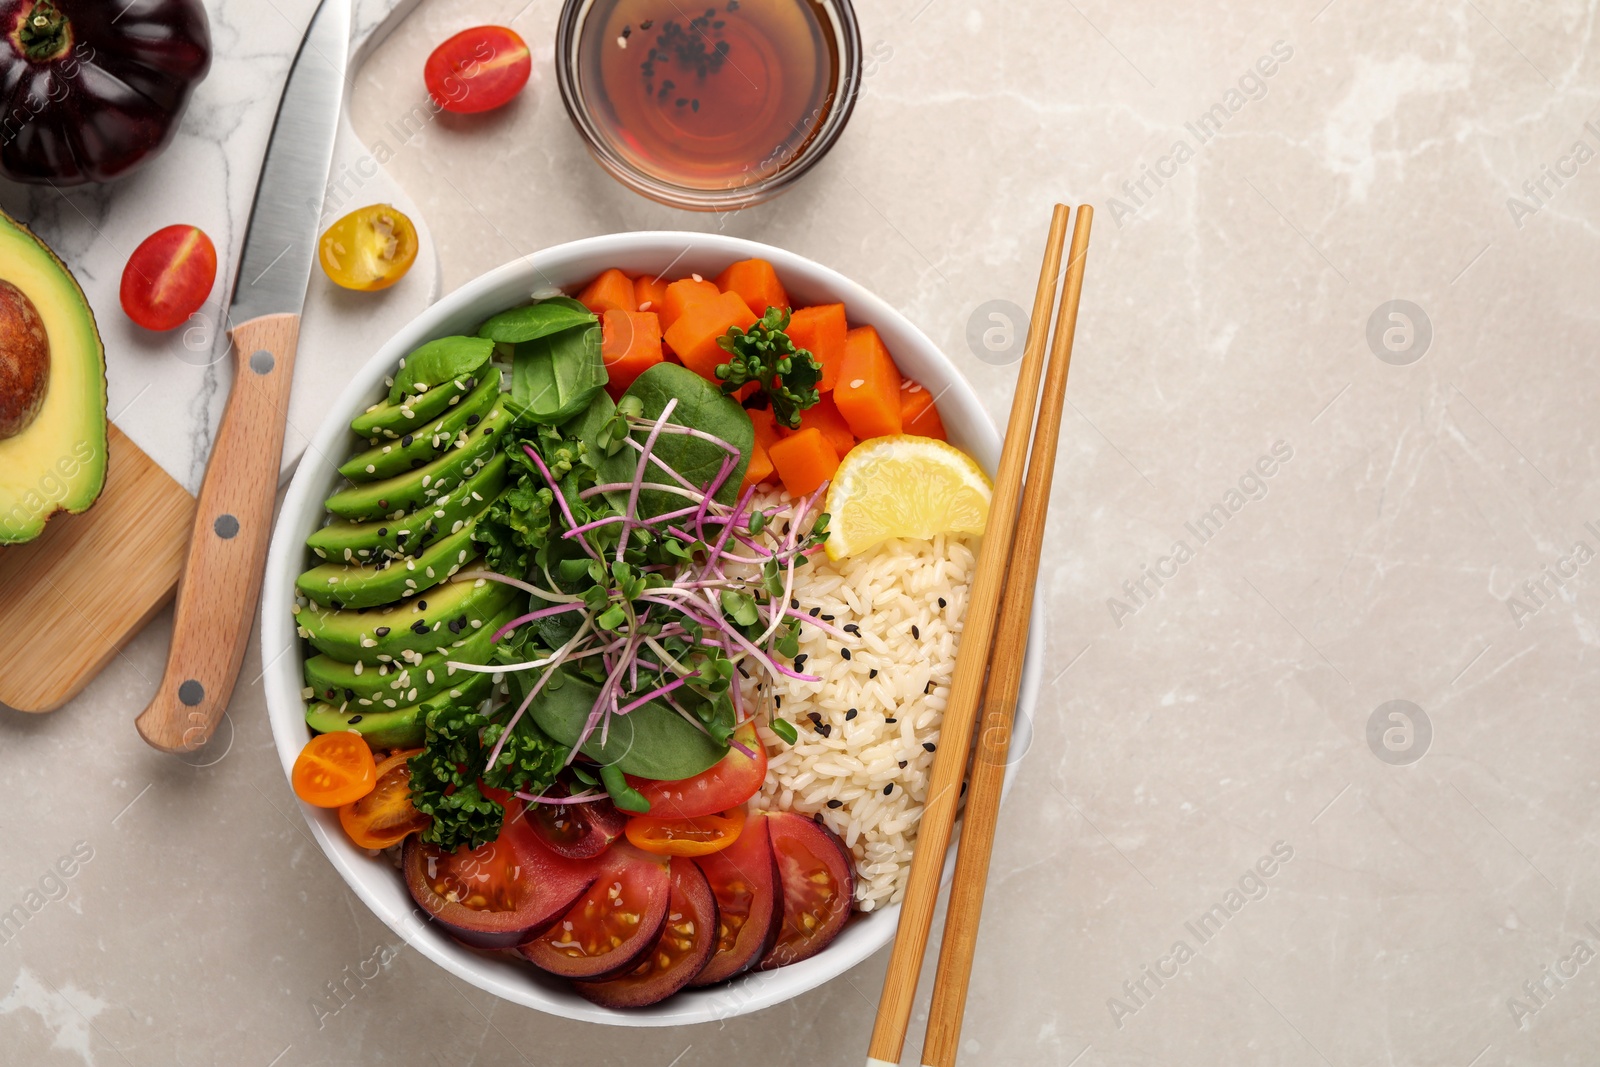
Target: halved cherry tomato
[
  {"x": 687, "y": 941},
  {"x": 614, "y": 924},
  {"x": 369, "y": 249},
  {"x": 687, "y": 837},
  {"x": 168, "y": 277},
  {"x": 818, "y": 879},
  {"x": 732, "y": 781},
  {"x": 334, "y": 770},
  {"x": 385, "y": 816},
  {"x": 478, "y": 69}
]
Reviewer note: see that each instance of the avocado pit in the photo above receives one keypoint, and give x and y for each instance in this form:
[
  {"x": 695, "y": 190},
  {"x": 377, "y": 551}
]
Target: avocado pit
[{"x": 24, "y": 361}]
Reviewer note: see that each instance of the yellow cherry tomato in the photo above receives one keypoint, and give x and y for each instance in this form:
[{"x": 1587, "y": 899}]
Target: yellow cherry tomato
[{"x": 371, "y": 248}]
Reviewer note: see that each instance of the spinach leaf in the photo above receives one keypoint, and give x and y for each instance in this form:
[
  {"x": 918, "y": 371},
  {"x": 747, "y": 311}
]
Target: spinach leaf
[
  {"x": 702, "y": 406},
  {"x": 652, "y": 741},
  {"x": 439, "y": 361},
  {"x": 537, "y": 320},
  {"x": 554, "y": 377}
]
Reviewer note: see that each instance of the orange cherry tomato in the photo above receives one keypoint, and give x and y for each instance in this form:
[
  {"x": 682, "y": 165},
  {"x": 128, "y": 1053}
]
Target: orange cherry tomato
[
  {"x": 334, "y": 770},
  {"x": 385, "y": 816},
  {"x": 686, "y": 837},
  {"x": 478, "y": 69},
  {"x": 168, "y": 277},
  {"x": 369, "y": 249}
]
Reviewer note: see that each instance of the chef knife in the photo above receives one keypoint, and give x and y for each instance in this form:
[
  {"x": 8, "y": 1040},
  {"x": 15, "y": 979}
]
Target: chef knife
[{"x": 221, "y": 580}]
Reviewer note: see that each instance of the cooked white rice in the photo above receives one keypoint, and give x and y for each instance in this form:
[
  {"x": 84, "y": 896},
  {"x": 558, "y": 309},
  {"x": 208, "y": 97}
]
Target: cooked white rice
[{"x": 886, "y": 591}]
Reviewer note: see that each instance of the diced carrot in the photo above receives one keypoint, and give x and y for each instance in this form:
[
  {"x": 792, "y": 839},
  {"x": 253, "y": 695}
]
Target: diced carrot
[
  {"x": 680, "y": 294},
  {"x": 918, "y": 413},
  {"x": 613, "y": 290},
  {"x": 821, "y": 331},
  {"x": 756, "y": 282},
  {"x": 746, "y": 391},
  {"x": 648, "y": 289},
  {"x": 868, "y": 390},
  {"x": 824, "y": 415},
  {"x": 694, "y": 334},
  {"x": 766, "y": 426},
  {"x": 759, "y": 469},
  {"x": 804, "y": 461},
  {"x": 630, "y": 344}
]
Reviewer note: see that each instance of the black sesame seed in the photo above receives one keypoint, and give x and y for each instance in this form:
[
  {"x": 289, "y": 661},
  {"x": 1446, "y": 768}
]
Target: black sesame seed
[
  {"x": 929, "y": 746},
  {"x": 815, "y": 718},
  {"x": 777, "y": 700},
  {"x": 800, "y": 661},
  {"x": 927, "y": 690},
  {"x": 852, "y": 628},
  {"x": 354, "y": 719},
  {"x": 349, "y": 694},
  {"x": 902, "y": 765},
  {"x": 422, "y": 605},
  {"x": 891, "y": 720},
  {"x": 825, "y": 730},
  {"x": 383, "y": 531},
  {"x": 827, "y": 618},
  {"x": 873, "y": 673},
  {"x": 888, "y": 789},
  {"x": 793, "y": 603},
  {"x": 835, "y": 803},
  {"x": 419, "y": 627},
  {"x": 457, "y": 625},
  {"x": 382, "y": 631},
  {"x": 943, "y": 603},
  {"x": 845, "y": 652},
  {"x": 472, "y": 420},
  {"x": 406, "y": 441},
  {"x": 916, "y": 634},
  {"x": 814, "y": 612},
  {"x": 852, "y": 713}
]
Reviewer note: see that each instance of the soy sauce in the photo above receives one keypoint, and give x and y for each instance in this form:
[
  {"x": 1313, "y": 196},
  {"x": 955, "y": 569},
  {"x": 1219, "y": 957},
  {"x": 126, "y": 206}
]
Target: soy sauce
[{"x": 708, "y": 96}]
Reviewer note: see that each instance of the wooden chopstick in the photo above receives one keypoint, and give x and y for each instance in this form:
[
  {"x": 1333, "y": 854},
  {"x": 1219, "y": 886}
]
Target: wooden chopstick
[
  {"x": 972, "y": 663},
  {"x": 965, "y": 909}
]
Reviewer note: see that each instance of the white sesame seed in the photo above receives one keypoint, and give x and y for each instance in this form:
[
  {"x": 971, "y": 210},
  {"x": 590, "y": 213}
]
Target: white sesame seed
[{"x": 857, "y": 383}]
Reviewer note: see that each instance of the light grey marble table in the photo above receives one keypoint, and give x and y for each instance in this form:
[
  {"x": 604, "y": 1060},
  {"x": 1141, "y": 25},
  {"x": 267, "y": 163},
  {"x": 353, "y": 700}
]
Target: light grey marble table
[{"x": 1285, "y": 502}]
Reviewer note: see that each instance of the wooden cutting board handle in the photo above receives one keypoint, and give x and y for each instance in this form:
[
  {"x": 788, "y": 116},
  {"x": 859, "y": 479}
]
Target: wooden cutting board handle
[{"x": 221, "y": 580}]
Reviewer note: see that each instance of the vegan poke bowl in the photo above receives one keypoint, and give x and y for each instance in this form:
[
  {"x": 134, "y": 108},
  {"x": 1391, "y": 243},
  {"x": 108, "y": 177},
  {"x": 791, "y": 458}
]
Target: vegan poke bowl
[{"x": 610, "y": 645}]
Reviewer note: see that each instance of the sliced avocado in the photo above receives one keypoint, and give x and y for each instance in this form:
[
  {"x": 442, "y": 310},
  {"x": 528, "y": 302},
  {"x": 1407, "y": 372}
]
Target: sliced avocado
[
  {"x": 410, "y": 490},
  {"x": 446, "y": 613},
  {"x": 52, "y": 389},
  {"x": 438, "y": 361},
  {"x": 389, "y": 685},
  {"x": 370, "y": 585},
  {"x": 388, "y": 421},
  {"x": 423, "y": 445},
  {"x": 381, "y": 538},
  {"x": 400, "y": 728}
]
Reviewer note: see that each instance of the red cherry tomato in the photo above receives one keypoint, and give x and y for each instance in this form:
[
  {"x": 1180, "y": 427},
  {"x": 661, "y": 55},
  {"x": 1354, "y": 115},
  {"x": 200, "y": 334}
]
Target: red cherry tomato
[
  {"x": 478, "y": 69},
  {"x": 733, "y": 780},
  {"x": 168, "y": 277}
]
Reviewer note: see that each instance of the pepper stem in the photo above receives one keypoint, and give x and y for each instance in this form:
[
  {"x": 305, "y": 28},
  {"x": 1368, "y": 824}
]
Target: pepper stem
[{"x": 43, "y": 33}]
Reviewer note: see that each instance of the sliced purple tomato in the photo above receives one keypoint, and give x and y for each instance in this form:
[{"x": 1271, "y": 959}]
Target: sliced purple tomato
[
  {"x": 497, "y": 896},
  {"x": 617, "y": 920},
  {"x": 577, "y": 831},
  {"x": 744, "y": 879},
  {"x": 688, "y": 939},
  {"x": 818, "y": 881}
]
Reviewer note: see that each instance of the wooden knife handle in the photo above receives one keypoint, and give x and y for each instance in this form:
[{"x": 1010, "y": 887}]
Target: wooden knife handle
[{"x": 221, "y": 580}]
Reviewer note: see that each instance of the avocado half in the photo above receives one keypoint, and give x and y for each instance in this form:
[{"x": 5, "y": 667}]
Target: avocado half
[{"x": 52, "y": 389}]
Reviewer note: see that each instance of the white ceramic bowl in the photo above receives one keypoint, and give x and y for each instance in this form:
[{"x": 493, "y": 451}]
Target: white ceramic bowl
[{"x": 566, "y": 266}]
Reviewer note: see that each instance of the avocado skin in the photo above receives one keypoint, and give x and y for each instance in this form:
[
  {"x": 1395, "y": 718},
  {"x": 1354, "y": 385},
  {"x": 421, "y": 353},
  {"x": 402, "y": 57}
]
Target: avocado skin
[
  {"x": 373, "y": 585},
  {"x": 336, "y": 681},
  {"x": 427, "y": 443},
  {"x": 385, "y": 421},
  {"x": 58, "y": 462},
  {"x": 341, "y": 634},
  {"x": 400, "y": 728},
  {"x": 412, "y": 489},
  {"x": 380, "y": 538}
]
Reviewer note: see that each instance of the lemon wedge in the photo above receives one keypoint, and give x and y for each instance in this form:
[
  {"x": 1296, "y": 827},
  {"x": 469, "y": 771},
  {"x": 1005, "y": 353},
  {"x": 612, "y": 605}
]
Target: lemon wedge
[{"x": 904, "y": 486}]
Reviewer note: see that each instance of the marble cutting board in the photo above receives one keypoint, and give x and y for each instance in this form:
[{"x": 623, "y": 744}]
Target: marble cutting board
[{"x": 166, "y": 390}]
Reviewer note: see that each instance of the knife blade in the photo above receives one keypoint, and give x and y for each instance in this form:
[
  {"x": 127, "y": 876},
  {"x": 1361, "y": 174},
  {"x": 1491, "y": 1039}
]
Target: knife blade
[{"x": 221, "y": 580}]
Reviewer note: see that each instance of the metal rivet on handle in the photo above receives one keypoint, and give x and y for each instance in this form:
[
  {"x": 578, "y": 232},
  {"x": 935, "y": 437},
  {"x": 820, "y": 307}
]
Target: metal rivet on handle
[
  {"x": 226, "y": 526},
  {"x": 191, "y": 692},
  {"x": 261, "y": 361}
]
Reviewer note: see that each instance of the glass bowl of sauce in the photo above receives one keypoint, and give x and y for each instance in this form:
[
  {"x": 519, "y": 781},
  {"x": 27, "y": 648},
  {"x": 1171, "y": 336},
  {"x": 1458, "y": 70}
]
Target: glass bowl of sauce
[{"x": 712, "y": 106}]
